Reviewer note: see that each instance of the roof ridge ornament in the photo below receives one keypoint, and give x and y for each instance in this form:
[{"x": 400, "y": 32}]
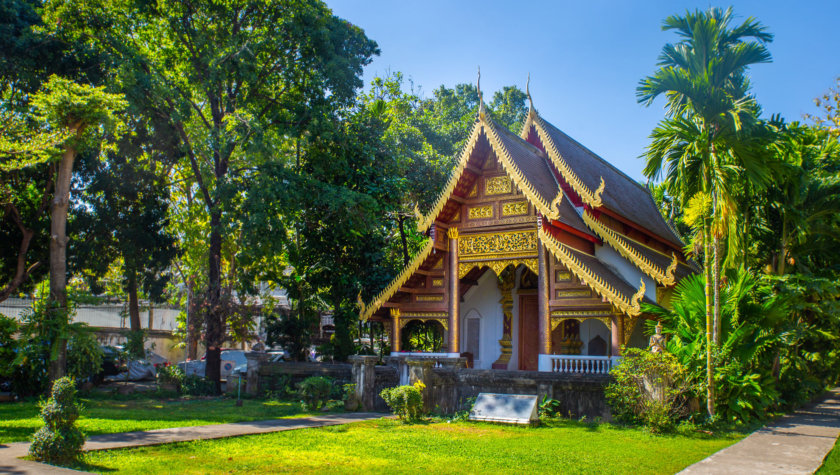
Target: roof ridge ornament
[
  {"x": 481, "y": 111},
  {"x": 532, "y": 111},
  {"x": 637, "y": 297},
  {"x": 596, "y": 196}
]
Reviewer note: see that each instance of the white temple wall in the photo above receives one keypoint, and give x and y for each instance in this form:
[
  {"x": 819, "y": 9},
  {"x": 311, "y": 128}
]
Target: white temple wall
[
  {"x": 482, "y": 302},
  {"x": 589, "y": 329},
  {"x": 626, "y": 269}
]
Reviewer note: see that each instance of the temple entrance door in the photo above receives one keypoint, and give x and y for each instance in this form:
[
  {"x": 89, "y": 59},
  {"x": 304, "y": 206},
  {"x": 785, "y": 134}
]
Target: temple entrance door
[{"x": 529, "y": 333}]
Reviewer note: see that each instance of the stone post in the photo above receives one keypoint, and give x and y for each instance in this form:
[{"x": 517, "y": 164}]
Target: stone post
[
  {"x": 454, "y": 293},
  {"x": 364, "y": 376},
  {"x": 420, "y": 369},
  {"x": 255, "y": 360},
  {"x": 542, "y": 301}
]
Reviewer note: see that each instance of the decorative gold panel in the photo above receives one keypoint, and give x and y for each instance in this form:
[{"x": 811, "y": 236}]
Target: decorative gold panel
[
  {"x": 438, "y": 264},
  {"x": 437, "y": 282},
  {"x": 480, "y": 212},
  {"x": 441, "y": 317},
  {"x": 497, "y": 185},
  {"x": 513, "y": 242},
  {"x": 429, "y": 298},
  {"x": 496, "y": 265},
  {"x": 515, "y": 209},
  {"x": 556, "y": 321},
  {"x": 563, "y": 276},
  {"x": 573, "y": 293},
  {"x": 581, "y": 313},
  {"x": 474, "y": 190}
]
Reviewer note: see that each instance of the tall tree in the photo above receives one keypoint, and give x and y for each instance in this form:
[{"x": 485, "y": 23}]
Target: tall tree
[
  {"x": 703, "y": 78},
  {"x": 87, "y": 114},
  {"x": 122, "y": 216},
  {"x": 234, "y": 79}
]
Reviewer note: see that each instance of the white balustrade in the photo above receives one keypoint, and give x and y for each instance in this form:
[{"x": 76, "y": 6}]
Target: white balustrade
[{"x": 577, "y": 364}]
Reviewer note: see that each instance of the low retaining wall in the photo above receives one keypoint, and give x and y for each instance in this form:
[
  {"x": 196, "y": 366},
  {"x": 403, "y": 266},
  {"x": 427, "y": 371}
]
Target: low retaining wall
[
  {"x": 268, "y": 376},
  {"x": 449, "y": 385}
]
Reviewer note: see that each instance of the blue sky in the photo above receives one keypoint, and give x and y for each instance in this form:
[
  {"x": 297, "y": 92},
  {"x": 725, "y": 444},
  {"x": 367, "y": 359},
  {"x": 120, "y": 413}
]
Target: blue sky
[{"x": 586, "y": 57}]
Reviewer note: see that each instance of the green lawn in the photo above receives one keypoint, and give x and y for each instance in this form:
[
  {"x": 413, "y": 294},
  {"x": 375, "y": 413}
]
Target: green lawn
[
  {"x": 831, "y": 465},
  {"x": 388, "y": 446},
  {"x": 18, "y": 421}
]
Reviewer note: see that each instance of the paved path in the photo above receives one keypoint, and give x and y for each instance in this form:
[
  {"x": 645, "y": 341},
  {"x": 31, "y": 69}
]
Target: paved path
[
  {"x": 10, "y": 462},
  {"x": 793, "y": 444}
]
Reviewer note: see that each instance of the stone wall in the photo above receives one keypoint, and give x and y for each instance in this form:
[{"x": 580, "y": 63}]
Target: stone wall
[
  {"x": 449, "y": 385},
  {"x": 268, "y": 376}
]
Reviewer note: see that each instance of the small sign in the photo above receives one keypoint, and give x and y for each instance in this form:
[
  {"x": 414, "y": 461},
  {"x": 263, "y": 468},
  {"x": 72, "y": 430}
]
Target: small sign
[{"x": 506, "y": 408}]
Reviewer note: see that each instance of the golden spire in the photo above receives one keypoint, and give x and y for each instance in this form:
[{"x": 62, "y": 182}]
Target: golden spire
[
  {"x": 531, "y": 110},
  {"x": 481, "y": 112}
]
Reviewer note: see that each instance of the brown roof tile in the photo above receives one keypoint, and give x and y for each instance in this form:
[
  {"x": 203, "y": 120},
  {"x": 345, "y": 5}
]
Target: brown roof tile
[{"x": 621, "y": 194}]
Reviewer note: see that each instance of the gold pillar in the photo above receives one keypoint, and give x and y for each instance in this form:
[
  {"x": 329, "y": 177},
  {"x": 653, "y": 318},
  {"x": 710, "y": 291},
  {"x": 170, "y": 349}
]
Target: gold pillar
[
  {"x": 454, "y": 292},
  {"x": 542, "y": 301},
  {"x": 506, "y": 283},
  {"x": 395, "y": 329},
  {"x": 617, "y": 334}
]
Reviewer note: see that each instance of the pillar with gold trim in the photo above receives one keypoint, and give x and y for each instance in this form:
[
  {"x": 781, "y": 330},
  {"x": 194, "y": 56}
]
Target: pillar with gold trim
[
  {"x": 617, "y": 334},
  {"x": 542, "y": 301},
  {"x": 395, "y": 330},
  {"x": 454, "y": 292}
]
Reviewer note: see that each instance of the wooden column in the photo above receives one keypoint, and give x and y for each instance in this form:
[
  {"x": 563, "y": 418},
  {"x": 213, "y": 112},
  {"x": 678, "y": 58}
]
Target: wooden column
[
  {"x": 616, "y": 333},
  {"x": 395, "y": 329},
  {"x": 542, "y": 301},
  {"x": 454, "y": 292}
]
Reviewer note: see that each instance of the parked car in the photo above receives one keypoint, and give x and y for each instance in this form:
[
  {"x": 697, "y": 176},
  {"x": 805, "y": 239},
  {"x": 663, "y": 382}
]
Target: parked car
[{"x": 231, "y": 359}]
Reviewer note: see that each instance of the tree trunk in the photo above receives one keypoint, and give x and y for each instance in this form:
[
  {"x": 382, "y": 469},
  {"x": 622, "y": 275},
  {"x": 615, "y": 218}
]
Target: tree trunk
[
  {"x": 716, "y": 274},
  {"x": 133, "y": 306},
  {"x": 58, "y": 262},
  {"x": 707, "y": 264},
  {"x": 214, "y": 319},
  {"x": 21, "y": 272}
]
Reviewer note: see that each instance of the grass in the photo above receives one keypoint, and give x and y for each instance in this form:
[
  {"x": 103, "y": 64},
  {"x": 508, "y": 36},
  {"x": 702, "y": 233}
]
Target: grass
[
  {"x": 388, "y": 446},
  {"x": 100, "y": 415},
  {"x": 831, "y": 464}
]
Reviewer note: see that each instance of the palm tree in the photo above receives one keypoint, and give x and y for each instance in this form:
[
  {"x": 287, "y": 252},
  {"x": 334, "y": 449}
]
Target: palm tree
[{"x": 708, "y": 107}]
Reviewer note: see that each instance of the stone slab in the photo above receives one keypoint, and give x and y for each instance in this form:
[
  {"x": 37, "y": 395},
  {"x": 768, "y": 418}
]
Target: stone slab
[{"x": 505, "y": 408}]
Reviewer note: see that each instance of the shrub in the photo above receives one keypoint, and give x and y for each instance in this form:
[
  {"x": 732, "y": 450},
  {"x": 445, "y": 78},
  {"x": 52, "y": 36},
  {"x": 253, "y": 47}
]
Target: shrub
[
  {"x": 194, "y": 385},
  {"x": 315, "y": 392},
  {"x": 8, "y": 345},
  {"x": 405, "y": 401},
  {"x": 59, "y": 441},
  {"x": 84, "y": 355},
  {"x": 171, "y": 374},
  {"x": 650, "y": 389}
]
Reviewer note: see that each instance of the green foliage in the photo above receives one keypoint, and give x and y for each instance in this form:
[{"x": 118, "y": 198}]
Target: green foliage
[
  {"x": 59, "y": 441},
  {"x": 135, "y": 344},
  {"x": 194, "y": 385},
  {"x": 649, "y": 389},
  {"x": 8, "y": 345},
  {"x": 170, "y": 374},
  {"x": 84, "y": 355},
  {"x": 754, "y": 328},
  {"x": 549, "y": 407},
  {"x": 406, "y": 402},
  {"x": 315, "y": 392}
]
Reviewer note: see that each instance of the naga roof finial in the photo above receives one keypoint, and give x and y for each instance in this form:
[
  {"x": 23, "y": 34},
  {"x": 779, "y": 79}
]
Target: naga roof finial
[
  {"x": 531, "y": 109},
  {"x": 481, "y": 112}
]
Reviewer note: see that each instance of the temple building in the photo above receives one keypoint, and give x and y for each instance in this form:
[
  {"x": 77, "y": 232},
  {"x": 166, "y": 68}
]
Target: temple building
[{"x": 538, "y": 256}]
